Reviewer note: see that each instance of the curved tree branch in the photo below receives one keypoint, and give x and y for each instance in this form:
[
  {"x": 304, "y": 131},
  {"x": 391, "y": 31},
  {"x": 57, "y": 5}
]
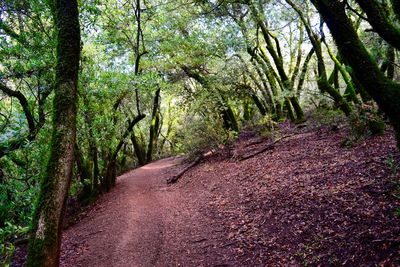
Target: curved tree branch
[
  {"x": 24, "y": 104},
  {"x": 381, "y": 21}
]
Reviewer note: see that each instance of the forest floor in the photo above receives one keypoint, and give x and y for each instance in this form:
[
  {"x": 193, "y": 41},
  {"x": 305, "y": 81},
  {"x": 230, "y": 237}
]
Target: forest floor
[{"x": 306, "y": 202}]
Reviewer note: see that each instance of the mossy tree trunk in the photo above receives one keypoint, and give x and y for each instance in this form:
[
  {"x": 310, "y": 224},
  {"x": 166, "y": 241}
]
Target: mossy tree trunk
[
  {"x": 246, "y": 110},
  {"x": 110, "y": 173},
  {"x": 227, "y": 113},
  {"x": 139, "y": 151},
  {"x": 276, "y": 54},
  {"x": 93, "y": 151},
  {"x": 383, "y": 90},
  {"x": 350, "y": 93},
  {"x": 303, "y": 72},
  {"x": 269, "y": 86},
  {"x": 267, "y": 104},
  {"x": 169, "y": 130},
  {"x": 289, "y": 110},
  {"x": 271, "y": 78},
  {"x": 259, "y": 104},
  {"x": 154, "y": 126},
  {"x": 334, "y": 77},
  {"x": 251, "y": 94},
  {"x": 382, "y": 19},
  {"x": 44, "y": 245},
  {"x": 83, "y": 172},
  {"x": 323, "y": 83},
  {"x": 229, "y": 118},
  {"x": 34, "y": 125},
  {"x": 388, "y": 64}
]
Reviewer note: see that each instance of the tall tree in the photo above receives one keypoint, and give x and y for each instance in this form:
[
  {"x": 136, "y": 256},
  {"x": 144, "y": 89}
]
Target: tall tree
[{"x": 44, "y": 247}]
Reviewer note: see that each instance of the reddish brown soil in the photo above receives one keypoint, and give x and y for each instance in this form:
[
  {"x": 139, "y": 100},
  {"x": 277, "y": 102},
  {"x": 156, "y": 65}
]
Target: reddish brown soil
[
  {"x": 142, "y": 222},
  {"x": 307, "y": 202}
]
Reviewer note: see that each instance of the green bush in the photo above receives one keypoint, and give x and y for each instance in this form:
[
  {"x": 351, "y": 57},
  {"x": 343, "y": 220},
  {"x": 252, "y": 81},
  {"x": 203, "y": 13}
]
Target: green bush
[
  {"x": 200, "y": 133},
  {"x": 376, "y": 127},
  {"x": 7, "y": 233},
  {"x": 324, "y": 116},
  {"x": 366, "y": 121}
]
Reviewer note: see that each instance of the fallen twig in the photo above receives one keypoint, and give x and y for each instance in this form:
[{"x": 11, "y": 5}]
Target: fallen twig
[
  {"x": 267, "y": 147},
  {"x": 175, "y": 178},
  {"x": 255, "y": 142}
]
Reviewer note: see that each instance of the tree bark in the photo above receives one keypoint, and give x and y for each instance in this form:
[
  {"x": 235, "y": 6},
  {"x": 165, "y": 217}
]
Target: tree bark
[
  {"x": 276, "y": 55},
  {"x": 383, "y": 90},
  {"x": 154, "y": 125},
  {"x": 303, "y": 73},
  {"x": 110, "y": 174},
  {"x": 88, "y": 116},
  {"x": 388, "y": 64},
  {"x": 44, "y": 245},
  {"x": 227, "y": 113},
  {"x": 140, "y": 154},
  {"x": 33, "y": 126},
  {"x": 379, "y": 17},
  {"x": 83, "y": 172},
  {"x": 323, "y": 83}
]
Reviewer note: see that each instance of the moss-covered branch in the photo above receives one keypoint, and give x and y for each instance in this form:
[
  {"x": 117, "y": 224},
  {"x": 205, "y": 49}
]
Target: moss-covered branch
[
  {"x": 384, "y": 91},
  {"x": 379, "y": 16}
]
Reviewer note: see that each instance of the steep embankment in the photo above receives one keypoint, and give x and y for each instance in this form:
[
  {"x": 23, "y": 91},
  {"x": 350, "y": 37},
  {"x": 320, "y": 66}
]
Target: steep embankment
[{"x": 307, "y": 201}]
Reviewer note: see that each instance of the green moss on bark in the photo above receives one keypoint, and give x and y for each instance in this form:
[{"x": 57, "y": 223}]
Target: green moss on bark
[
  {"x": 384, "y": 91},
  {"x": 44, "y": 245}
]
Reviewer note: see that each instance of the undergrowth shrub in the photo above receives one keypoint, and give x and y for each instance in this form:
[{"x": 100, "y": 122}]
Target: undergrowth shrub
[
  {"x": 365, "y": 121},
  {"x": 199, "y": 134},
  {"x": 265, "y": 126},
  {"x": 324, "y": 116},
  {"x": 394, "y": 167},
  {"x": 8, "y": 233}
]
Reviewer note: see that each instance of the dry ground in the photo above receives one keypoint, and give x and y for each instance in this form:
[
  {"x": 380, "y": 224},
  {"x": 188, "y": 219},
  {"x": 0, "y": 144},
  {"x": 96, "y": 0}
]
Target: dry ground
[{"x": 307, "y": 202}]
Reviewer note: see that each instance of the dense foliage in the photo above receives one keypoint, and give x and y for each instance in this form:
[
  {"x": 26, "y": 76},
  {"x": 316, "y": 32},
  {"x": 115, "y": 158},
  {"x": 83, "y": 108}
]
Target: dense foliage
[{"x": 160, "y": 78}]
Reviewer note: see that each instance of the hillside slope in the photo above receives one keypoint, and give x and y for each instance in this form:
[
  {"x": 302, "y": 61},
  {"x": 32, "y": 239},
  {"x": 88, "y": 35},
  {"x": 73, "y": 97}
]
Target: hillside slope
[{"x": 307, "y": 201}]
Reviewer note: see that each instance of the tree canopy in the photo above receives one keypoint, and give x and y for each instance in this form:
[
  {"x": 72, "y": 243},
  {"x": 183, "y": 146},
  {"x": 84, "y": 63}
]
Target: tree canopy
[{"x": 110, "y": 85}]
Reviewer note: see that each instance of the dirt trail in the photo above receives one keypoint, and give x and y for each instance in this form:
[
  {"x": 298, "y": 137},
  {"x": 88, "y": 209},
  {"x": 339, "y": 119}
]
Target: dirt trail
[
  {"x": 142, "y": 222},
  {"x": 309, "y": 201}
]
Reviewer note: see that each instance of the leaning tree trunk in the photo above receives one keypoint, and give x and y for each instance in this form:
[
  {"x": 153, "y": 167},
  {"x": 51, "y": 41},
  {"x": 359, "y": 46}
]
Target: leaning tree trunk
[
  {"x": 383, "y": 90},
  {"x": 276, "y": 54},
  {"x": 44, "y": 245},
  {"x": 110, "y": 176},
  {"x": 322, "y": 82}
]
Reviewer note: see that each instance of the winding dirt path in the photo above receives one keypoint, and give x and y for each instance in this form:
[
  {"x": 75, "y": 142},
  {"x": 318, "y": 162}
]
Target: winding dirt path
[
  {"x": 142, "y": 222},
  {"x": 309, "y": 201}
]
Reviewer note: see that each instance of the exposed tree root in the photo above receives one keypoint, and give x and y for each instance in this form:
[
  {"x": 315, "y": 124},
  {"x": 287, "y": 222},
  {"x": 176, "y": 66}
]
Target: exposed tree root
[{"x": 196, "y": 161}]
